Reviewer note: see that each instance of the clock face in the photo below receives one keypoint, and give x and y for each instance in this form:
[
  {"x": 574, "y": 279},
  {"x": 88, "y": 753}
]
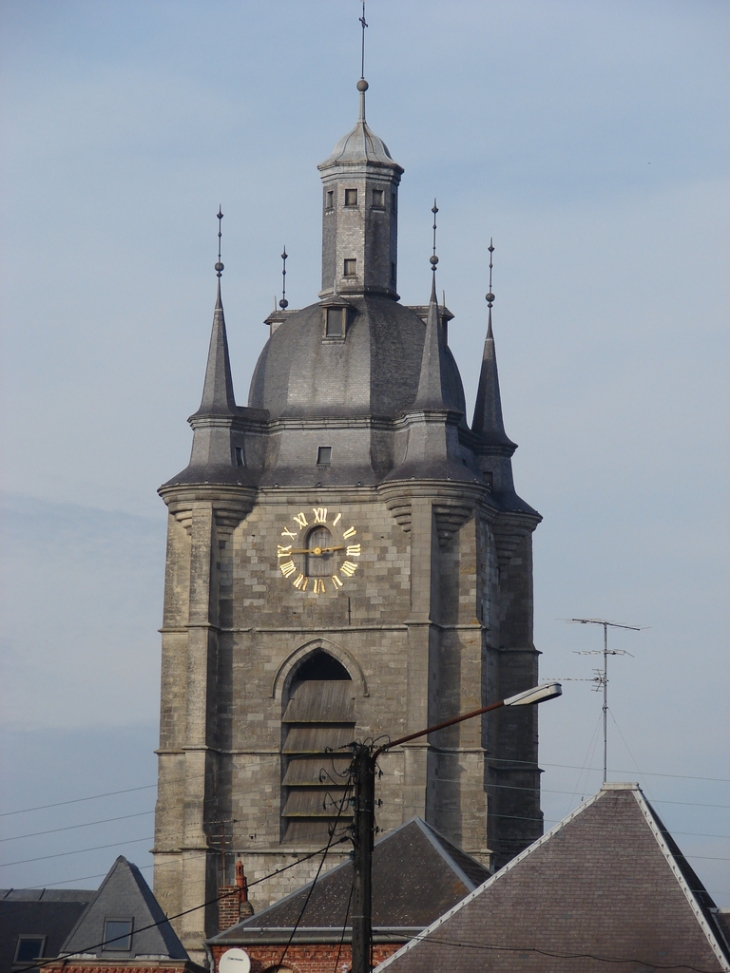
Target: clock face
[{"x": 318, "y": 551}]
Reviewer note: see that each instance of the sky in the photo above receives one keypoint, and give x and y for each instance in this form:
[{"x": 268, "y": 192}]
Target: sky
[{"x": 589, "y": 140}]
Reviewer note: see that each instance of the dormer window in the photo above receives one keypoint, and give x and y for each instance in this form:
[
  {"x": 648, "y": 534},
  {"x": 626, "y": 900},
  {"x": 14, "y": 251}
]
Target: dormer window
[
  {"x": 351, "y": 197},
  {"x": 379, "y": 198},
  {"x": 350, "y": 267},
  {"x": 118, "y": 934},
  {"x": 335, "y": 321}
]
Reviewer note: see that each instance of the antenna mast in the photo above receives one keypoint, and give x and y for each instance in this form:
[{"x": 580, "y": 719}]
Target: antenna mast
[{"x": 601, "y": 679}]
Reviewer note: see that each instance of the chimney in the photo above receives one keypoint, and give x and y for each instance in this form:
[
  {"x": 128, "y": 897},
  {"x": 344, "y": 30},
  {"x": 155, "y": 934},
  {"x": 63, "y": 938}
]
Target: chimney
[{"x": 233, "y": 904}]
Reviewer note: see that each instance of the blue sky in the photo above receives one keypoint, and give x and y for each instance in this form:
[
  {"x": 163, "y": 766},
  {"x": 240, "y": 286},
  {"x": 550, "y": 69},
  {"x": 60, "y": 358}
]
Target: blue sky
[{"x": 589, "y": 139}]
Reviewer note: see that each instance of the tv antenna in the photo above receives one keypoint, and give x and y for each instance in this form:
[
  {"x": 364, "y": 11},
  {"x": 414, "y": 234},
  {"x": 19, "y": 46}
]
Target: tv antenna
[{"x": 601, "y": 678}]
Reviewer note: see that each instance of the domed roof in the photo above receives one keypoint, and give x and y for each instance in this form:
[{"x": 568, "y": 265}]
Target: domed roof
[
  {"x": 359, "y": 146},
  {"x": 374, "y": 371}
]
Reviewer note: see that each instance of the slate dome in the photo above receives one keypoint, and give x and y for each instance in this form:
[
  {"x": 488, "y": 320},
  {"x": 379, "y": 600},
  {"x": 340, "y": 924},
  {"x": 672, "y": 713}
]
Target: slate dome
[{"x": 374, "y": 371}]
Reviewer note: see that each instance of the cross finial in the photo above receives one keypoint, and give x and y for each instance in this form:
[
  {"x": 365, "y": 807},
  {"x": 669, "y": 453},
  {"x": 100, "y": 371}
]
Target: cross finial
[
  {"x": 434, "y": 258},
  {"x": 364, "y": 24},
  {"x": 219, "y": 265},
  {"x": 283, "y": 303}
]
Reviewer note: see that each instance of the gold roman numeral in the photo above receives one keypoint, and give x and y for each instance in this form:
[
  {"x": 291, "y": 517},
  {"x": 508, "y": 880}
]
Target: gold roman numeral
[
  {"x": 348, "y": 568},
  {"x": 353, "y": 550},
  {"x": 337, "y": 519},
  {"x": 283, "y": 551},
  {"x": 301, "y": 582},
  {"x": 320, "y": 515},
  {"x": 319, "y": 586},
  {"x": 336, "y": 582},
  {"x": 289, "y": 533},
  {"x": 300, "y": 519},
  {"x": 287, "y": 568},
  {"x": 350, "y": 532}
]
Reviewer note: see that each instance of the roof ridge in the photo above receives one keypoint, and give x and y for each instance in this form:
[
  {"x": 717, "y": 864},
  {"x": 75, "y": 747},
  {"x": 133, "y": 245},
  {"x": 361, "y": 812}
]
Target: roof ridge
[
  {"x": 435, "y": 838},
  {"x": 672, "y": 858}
]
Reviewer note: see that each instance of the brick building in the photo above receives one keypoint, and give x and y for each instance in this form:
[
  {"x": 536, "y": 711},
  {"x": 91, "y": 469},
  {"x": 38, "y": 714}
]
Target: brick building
[{"x": 346, "y": 557}]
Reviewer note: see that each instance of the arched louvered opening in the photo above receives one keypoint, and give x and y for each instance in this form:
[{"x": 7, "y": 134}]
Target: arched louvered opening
[{"x": 319, "y": 716}]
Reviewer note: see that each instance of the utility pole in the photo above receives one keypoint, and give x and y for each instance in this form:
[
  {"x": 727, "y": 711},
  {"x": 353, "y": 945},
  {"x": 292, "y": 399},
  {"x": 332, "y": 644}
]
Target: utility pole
[
  {"x": 363, "y": 772},
  {"x": 602, "y": 678},
  {"x": 363, "y": 839}
]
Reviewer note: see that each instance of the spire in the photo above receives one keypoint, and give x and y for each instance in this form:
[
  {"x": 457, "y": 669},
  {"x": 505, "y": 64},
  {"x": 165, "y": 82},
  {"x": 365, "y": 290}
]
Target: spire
[
  {"x": 218, "y": 397},
  {"x": 488, "y": 422},
  {"x": 432, "y": 384}
]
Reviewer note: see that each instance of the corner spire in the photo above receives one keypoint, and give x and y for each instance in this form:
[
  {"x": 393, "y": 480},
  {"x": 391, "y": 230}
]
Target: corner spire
[
  {"x": 218, "y": 397},
  {"x": 488, "y": 422},
  {"x": 432, "y": 384}
]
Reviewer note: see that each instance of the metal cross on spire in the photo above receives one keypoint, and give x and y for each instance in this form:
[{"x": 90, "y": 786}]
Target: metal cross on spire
[
  {"x": 219, "y": 266},
  {"x": 362, "y": 46},
  {"x": 434, "y": 258},
  {"x": 283, "y": 303}
]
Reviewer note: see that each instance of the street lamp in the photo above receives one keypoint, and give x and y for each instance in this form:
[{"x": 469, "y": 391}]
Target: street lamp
[{"x": 363, "y": 774}]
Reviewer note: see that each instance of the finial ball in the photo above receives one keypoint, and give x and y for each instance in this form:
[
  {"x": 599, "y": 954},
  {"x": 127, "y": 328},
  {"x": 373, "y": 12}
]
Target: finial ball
[
  {"x": 219, "y": 266},
  {"x": 362, "y": 85},
  {"x": 490, "y": 297},
  {"x": 283, "y": 304},
  {"x": 434, "y": 260}
]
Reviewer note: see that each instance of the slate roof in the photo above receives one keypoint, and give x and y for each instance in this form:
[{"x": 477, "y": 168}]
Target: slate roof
[
  {"x": 124, "y": 894},
  {"x": 417, "y": 875},
  {"x": 607, "y": 888},
  {"x": 50, "y": 913}
]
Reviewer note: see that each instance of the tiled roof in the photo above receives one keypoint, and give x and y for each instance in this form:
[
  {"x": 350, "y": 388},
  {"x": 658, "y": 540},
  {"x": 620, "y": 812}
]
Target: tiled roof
[
  {"x": 49, "y": 913},
  {"x": 607, "y": 888},
  {"x": 124, "y": 894},
  {"x": 417, "y": 875}
]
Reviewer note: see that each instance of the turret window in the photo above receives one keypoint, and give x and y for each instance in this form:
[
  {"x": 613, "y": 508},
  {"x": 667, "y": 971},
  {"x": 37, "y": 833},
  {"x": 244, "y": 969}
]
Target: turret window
[
  {"x": 379, "y": 198},
  {"x": 350, "y": 267},
  {"x": 324, "y": 455},
  {"x": 330, "y": 199},
  {"x": 240, "y": 459},
  {"x": 351, "y": 197}
]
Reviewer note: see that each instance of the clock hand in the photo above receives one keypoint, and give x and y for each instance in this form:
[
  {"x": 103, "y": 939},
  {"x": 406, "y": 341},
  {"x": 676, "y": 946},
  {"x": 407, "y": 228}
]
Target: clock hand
[{"x": 314, "y": 550}]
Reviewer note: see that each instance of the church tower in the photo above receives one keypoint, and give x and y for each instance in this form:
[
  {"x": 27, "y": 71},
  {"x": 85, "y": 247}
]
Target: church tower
[{"x": 346, "y": 559}]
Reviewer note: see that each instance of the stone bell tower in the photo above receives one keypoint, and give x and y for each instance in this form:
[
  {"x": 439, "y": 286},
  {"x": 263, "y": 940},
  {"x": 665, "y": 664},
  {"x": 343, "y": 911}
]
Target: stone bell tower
[{"x": 346, "y": 558}]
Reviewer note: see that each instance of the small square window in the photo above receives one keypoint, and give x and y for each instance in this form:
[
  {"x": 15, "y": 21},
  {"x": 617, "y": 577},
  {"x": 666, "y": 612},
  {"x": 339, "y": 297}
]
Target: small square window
[
  {"x": 29, "y": 948},
  {"x": 351, "y": 197},
  {"x": 240, "y": 460},
  {"x": 334, "y": 322},
  {"x": 379, "y": 198},
  {"x": 324, "y": 455},
  {"x": 350, "y": 267},
  {"x": 118, "y": 934},
  {"x": 330, "y": 199}
]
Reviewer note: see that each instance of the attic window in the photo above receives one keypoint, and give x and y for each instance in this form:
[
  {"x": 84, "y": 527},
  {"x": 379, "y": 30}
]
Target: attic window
[
  {"x": 330, "y": 199},
  {"x": 335, "y": 320},
  {"x": 29, "y": 948},
  {"x": 378, "y": 198},
  {"x": 240, "y": 461},
  {"x": 350, "y": 267},
  {"x": 324, "y": 455},
  {"x": 351, "y": 197},
  {"x": 118, "y": 934}
]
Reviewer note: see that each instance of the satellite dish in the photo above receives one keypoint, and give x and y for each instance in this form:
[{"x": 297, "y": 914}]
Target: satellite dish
[{"x": 235, "y": 961}]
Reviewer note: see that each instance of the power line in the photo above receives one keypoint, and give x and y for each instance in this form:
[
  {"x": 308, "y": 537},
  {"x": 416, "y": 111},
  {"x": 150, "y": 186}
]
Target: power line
[
  {"x": 425, "y": 938},
  {"x": 75, "y": 827},
  {"x": 168, "y": 919},
  {"x": 145, "y": 787}
]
